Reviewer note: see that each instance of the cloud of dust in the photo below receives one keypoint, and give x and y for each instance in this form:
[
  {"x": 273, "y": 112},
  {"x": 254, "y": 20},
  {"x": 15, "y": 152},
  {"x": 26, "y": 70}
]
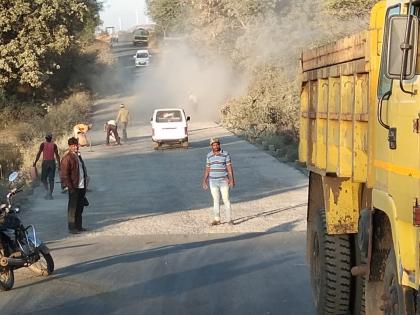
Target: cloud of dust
[
  {"x": 176, "y": 71},
  {"x": 177, "y": 78}
]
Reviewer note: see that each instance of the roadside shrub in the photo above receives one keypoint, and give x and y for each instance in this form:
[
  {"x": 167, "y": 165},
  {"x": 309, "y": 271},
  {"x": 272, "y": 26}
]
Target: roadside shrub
[
  {"x": 25, "y": 135},
  {"x": 270, "y": 107},
  {"x": 61, "y": 119}
]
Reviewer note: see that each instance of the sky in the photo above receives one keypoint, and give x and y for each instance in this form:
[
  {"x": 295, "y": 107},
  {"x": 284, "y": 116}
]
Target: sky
[{"x": 123, "y": 14}]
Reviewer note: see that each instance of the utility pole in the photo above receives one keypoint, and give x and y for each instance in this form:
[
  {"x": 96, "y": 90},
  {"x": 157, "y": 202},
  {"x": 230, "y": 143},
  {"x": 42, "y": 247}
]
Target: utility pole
[{"x": 120, "y": 23}]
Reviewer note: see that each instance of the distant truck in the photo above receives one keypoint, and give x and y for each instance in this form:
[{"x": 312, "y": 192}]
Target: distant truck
[
  {"x": 360, "y": 141},
  {"x": 148, "y": 36},
  {"x": 141, "y": 37}
]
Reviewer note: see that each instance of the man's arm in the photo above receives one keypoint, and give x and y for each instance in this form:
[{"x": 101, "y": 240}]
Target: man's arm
[
  {"x": 57, "y": 156},
  {"x": 230, "y": 175},
  {"x": 118, "y": 116},
  {"x": 205, "y": 183},
  {"x": 41, "y": 148},
  {"x": 65, "y": 172}
]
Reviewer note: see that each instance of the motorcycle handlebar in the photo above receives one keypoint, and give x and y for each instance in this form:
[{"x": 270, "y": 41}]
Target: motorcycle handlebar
[{"x": 14, "y": 191}]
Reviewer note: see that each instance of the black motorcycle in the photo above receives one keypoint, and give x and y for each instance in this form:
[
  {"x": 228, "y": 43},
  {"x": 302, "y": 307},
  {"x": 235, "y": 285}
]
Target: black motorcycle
[{"x": 19, "y": 245}]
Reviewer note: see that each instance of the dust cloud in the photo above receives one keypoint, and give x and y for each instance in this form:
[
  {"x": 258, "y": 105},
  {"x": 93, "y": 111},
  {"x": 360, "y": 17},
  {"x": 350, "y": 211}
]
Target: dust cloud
[{"x": 177, "y": 78}]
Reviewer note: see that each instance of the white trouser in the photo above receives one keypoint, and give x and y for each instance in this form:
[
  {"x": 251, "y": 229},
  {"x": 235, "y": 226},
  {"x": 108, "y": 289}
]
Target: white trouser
[{"x": 218, "y": 187}]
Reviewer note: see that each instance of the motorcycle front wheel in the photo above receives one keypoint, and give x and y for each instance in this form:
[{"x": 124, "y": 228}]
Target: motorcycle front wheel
[
  {"x": 7, "y": 278},
  {"x": 44, "y": 266}
]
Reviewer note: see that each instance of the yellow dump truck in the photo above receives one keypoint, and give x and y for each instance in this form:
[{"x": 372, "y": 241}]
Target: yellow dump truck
[{"x": 360, "y": 140}]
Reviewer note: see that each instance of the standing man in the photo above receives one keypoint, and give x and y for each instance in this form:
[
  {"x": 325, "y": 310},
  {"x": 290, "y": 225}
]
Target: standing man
[
  {"x": 193, "y": 102},
  {"x": 73, "y": 175},
  {"x": 219, "y": 174},
  {"x": 123, "y": 117},
  {"x": 111, "y": 127},
  {"x": 48, "y": 149}
]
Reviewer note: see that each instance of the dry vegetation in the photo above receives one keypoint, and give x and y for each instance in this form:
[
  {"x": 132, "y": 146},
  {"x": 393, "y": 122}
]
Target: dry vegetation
[
  {"x": 48, "y": 63},
  {"x": 25, "y": 126},
  {"x": 25, "y": 122},
  {"x": 263, "y": 41}
]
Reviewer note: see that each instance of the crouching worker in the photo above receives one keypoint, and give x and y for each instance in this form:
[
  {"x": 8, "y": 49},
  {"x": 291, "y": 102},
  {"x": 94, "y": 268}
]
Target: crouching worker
[
  {"x": 111, "y": 128},
  {"x": 80, "y": 133}
]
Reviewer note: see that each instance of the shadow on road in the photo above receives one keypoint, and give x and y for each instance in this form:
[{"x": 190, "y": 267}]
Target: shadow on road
[
  {"x": 266, "y": 213},
  {"x": 178, "y": 286}
]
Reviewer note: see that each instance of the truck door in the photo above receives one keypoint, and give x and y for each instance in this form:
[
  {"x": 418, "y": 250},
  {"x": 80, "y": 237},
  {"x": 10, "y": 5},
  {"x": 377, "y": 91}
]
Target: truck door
[{"x": 397, "y": 164}]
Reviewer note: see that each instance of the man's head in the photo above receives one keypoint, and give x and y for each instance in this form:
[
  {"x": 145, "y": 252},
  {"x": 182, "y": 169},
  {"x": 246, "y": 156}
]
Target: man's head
[
  {"x": 48, "y": 137},
  {"x": 73, "y": 144},
  {"x": 215, "y": 144},
  {"x": 122, "y": 106}
]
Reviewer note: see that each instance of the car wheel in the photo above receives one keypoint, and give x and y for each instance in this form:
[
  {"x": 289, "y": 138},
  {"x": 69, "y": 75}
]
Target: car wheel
[{"x": 157, "y": 145}]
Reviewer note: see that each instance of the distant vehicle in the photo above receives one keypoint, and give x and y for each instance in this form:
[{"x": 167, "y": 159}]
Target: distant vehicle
[
  {"x": 170, "y": 126},
  {"x": 147, "y": 36},
  {"x": 141, "y": 37},
  {"x": 142, "y": 58}
]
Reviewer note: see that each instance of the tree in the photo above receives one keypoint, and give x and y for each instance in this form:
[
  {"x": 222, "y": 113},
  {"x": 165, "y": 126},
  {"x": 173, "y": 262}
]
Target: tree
[
  {"x": 35, "y": 33},
  {"x": 168, "y": 14},
  {"x": 350, "y": 8}
]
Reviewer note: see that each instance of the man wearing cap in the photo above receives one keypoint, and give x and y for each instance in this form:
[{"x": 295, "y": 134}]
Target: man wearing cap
[
  {"x": 48, "y": 149},
  {"x": 74, "y": 175},
  {"x": 218, "y": 174},
  {"x": 123, "y": 117}
]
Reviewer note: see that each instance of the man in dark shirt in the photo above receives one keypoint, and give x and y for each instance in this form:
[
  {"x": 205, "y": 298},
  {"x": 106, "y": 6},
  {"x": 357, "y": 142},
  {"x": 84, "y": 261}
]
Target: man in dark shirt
[{"x": 48, "y": 149}]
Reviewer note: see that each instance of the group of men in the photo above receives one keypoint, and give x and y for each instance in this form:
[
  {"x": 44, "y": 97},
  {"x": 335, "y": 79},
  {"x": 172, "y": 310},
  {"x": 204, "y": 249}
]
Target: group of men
[
  {"x": 218, "y": 175},
  {"x": 72, "y": 168},
  {"x": 73, "y": 175}
]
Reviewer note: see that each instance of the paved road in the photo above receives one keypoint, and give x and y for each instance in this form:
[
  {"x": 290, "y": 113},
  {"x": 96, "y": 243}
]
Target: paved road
[{"x": 151, "y": 250}]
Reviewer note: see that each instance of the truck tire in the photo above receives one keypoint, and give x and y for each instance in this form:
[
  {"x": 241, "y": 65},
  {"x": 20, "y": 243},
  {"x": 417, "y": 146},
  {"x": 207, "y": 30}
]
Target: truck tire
[
  {"x": 393, "y": 297},
  {"x": 330, "y": 264},
  {"x": 358, "y": 287}
]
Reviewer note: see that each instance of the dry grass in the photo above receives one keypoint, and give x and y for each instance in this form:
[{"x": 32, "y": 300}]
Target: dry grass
[{"x": 21, "y": 138}]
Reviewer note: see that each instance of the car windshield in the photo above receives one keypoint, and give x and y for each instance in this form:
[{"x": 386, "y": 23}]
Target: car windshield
[
  {"x": 168, "y": 116},
  {"x": 142, "y": 55}
]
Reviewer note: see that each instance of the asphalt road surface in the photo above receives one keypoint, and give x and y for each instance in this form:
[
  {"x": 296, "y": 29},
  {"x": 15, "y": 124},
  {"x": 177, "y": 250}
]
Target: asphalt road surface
[{"x": 150, "y": 248}]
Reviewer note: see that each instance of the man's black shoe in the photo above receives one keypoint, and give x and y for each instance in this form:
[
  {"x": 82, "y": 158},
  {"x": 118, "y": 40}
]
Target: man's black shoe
[
  {"x": 74, "y": 231},
  {"x": 82, "y": 229}
]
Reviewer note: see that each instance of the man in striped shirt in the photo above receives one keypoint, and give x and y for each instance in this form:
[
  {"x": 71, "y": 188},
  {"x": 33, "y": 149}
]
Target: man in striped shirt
[{"x": 219, "y": 176}]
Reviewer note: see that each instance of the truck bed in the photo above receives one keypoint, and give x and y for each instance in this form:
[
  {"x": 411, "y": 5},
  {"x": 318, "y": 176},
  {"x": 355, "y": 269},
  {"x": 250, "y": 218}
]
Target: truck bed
[{"x": 334, "y": 108}]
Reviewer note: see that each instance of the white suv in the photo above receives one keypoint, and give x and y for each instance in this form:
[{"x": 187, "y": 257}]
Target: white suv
[
  {"x": 170, "y": 125},
  {"x": 142, "y": 58}
]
